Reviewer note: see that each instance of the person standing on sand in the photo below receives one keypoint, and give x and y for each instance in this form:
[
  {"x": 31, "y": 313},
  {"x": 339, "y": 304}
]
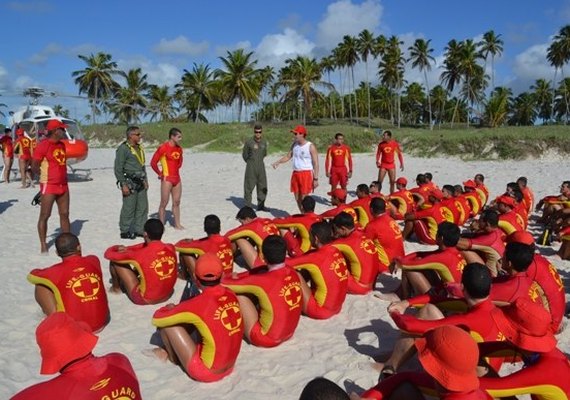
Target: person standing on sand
[
  {"x": 388, "y": 148},
  {"x": 253, "y": 153},
  {"x": 132, "y": 180},
  {"x": 169, "y": 154},
  {"x": 305, "y": 177},
  {"x": 7, "y": 153}
]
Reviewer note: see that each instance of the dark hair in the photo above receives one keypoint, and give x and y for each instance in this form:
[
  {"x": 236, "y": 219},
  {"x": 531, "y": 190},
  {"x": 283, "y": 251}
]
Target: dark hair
[
  {"x": 154, "y": 228},
  {"x": 389, "y": 133},
  {"x": 458, "y": 188},
  {"x": 338, "y": 135},
  {"x": 449, "y": 188},
  {"x": 343, "y": 220},
  {"x": 246, "y": 212},
  {"x": 449, "y": 233},
  {"x": 428, "y": 175},
  {"x": 322, "y": 389},
  {"x": 131, "y": 129},
  {"x": 7, "y": 130},
  {"x": 480, "y": 177},
  {"x": 363, "y": 187},
  {"x": 323, "y": 231},
  {"x": 512, "y": 186},
  {"x": 476, "y": 280},
  {"x": 421, "y": 178},
  {"x": 519, "y": 255},
  {"x": 518, "y": 195},
  {"x": 257, "y": 127},
  {"x": 212, "y": 224},
  {"x": 566, "y": 183},
  {"x": 66, "y": 244},
  {"x": 173, "y": 132},
  {"x": 308, "y": 204},
  {"x": 491, "y": 217},
  {"x": 274, "y": 249},
  {"x": 377, "y": 206},
  {"x": 522, "y": 180}
]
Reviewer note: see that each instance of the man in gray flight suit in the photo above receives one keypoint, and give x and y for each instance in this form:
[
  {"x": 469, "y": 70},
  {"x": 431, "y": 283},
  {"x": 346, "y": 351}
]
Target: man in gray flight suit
[
  {"x": 254, "y": 151},
  {"x": 132, "y": 180}
]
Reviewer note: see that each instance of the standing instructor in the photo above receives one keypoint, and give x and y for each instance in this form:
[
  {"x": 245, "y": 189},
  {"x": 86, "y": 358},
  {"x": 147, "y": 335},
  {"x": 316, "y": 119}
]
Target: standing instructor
[
  {"x": 132, "y": 180},
  {"x": 253, "y": 153}
]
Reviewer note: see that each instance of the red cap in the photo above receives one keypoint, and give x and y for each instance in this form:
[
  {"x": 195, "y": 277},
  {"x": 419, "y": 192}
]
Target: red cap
[
  {"x": 526, "y": 325},
  {"x": 61, "y": 340},
  {"x": 470, "y": 184},
  {"x": 450, "y": 356},
  {"x": 19, "y": 132},
  {"x": 300, "y": 129},
  {"x": 523, "y": 237},
  {"x": 209, "y": 267},
  {"x": 54, "y": 124},
  {"x": 507, "y": 200},
  {"x": 338, "y": 193},
  {"x": 438, "y": 194},
  {"x": 402, "y": 181}
]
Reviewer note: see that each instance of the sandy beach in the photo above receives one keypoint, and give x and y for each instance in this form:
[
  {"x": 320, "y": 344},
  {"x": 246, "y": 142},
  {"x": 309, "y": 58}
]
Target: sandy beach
[{"x": 340, "y": 348}]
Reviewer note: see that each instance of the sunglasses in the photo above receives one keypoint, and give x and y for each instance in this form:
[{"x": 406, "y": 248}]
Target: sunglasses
[{"x": 256, "y": 131}]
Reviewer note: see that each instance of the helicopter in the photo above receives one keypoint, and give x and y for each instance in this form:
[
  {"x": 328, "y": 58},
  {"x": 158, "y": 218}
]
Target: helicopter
[{"x": 33, "y": 119}]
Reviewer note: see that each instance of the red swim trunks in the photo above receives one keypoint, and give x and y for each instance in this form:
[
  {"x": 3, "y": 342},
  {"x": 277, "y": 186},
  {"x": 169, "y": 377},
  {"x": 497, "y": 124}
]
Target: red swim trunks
[
  {"x": 48, "y": 188},
  {"x": 302, "y": 182},
  {"x": 339, "y": 175},
  {"x": 175, "y": 180},
  {"x": 198, "y": 371},
  {"x": 259, "y": 339},
  {"x": 388, "y": 166}
]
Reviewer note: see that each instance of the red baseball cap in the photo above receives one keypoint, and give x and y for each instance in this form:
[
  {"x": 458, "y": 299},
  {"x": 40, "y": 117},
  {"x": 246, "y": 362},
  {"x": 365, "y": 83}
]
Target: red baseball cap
[
  {"x": 300, "y": 129},
  {"x": 450, "y": 356},
  {"x": 507, "y": 200},
  {"x": 523, "y": 237},
  {"x": 209, "y": 267},
  {"x": 470, "y": 184},
  {"x": 526, "y": 325},
  {"x": 402, "y": 181},
  {"x": 338, "y": 193},
  {"x": 61, "y": 340},
  {"x": 20, "y": 132},
  {"x": 54, "y": 124}
]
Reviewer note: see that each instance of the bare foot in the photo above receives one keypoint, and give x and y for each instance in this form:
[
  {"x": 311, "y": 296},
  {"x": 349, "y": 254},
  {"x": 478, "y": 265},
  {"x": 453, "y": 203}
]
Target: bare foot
[
  {"x": 391, "y": 297},
  {"x": 115, "y": 290},
  {"x": 158, "y": 352},
  {"x": 179, "y": 227},
  {"x": 377, "y": 366},
  {"x": 43, "y": 248}
]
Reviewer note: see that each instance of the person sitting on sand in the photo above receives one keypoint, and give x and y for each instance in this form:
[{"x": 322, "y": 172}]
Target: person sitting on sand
[
  {"x": 338, "y": 200},
  {"x": 75, "y": 285},
  {"x": 424, "y": 223},
  {"x": 362, "y": 204},
  {"x": 402, "y": 200},
  {"x": 295, "y": 228},
  {"x": 146, "y": 272},
  {"x": 66, "y": 347},
  {"x": 214, "y": 315}
]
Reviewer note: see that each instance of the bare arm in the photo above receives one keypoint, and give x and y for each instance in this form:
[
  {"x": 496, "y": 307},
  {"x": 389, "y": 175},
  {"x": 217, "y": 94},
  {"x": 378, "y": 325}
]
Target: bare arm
[
  {"x": 283, "y": 159},
  {"x": 314, "y": 160}
]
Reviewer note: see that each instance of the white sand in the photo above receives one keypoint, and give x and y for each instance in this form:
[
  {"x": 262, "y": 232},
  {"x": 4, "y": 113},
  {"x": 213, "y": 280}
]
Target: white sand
[{"x": 339, "y": 349}]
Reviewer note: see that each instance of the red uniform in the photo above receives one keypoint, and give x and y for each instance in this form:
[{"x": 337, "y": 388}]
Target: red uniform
[
  {"x": 483, "y": 192},
  {"x": 77, "y": 284},
  {"x": 257, "y": 230},
  {"x": 465, "y": 206},
  {"x": 216, "y": 315},
  {"x": 170, "y": 158},
  {"x": 155, "y": 263},
  {"x": 474, "y": 202},
  {"x": 219, "y": 245},
  {"x": 387, "y": 236},
  {"x": 427, "y": 221},
  {"x": 333, "y": 212},
  {"x": 53, "y": 166},
  {"x": 510, "y": 222},
  {"x": 489, "y": 245},
  {"x": 363, "y": 261},
  {"x": 386, "y": 153},
  {"x": 448, "y": 263},
  {"x": 23, "y": 148},
  {"x": 7, "y": 146},
  {"x": 301, "y": 225},
  {"x": 508, "y": 288},
  {"x": 329, "y": 280},
  {"x": 279, "y": 294},
  {"x": 528, "y": 199},
  {"x": 548, "y": 288},
  {"x": 404, "y": 202},
  {"x": 338, "y": 164},
  {"x": 455, "y": 210},
  {"x": 93, "y": 378},
  {"x": 423, "y": 192},
  {"x": 362, "y": 208}
]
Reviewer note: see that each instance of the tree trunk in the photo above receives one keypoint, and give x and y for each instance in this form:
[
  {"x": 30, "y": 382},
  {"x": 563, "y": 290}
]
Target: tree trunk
[
  {"x": 429, "y": 100},
  {"x": 349, "y": 98},
  {"x": 368, "y": 94},
  {"x": 553, "y": 93},
  {"x": 340, "y": 94},
  {"x": 354, "y": 91},
  {"x": 240, "y": 106}
]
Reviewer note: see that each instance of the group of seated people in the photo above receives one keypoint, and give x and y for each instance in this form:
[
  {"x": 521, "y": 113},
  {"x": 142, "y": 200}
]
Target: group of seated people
[
  {"x": 307, "y": 263},
  {"x": 556, "y": 219}
]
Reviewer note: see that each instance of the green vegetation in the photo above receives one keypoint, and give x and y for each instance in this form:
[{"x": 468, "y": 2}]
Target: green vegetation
[{"x": 466, "y": 143}]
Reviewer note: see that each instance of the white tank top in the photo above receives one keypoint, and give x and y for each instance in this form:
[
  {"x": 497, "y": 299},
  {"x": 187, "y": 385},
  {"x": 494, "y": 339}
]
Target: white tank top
[{"x": 302, "y": 157}]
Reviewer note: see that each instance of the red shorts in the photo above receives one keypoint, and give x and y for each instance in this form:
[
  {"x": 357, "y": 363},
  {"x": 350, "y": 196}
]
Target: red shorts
[
  {"x": 317, "y": 312},
  {"x": 50, "y": 188},
  {"x": 339, "y": 175},
  {"x": 175, "y": 180},
  {"x": 354, "y": 287},
  {"x": 9, "y": 153},
  {"x": 25, "y": 157},
  {"x": 388, "y": 166},
  {"x": 198, "y": 371},
  {"x": 259, "y": 339},
  {"x": 421, "y": 230},
  {"x": 302, "y": 182},
  {"x": 136, "y": 297}
]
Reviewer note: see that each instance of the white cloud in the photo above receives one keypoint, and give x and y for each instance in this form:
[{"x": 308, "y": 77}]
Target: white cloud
[
  {"x": 42, "y": 57},
  {"x": 157, "y": 73},
  {"x": 531, "y": 64},
  {"x": 221, "y": 51},
  {"x": 345, "y": 18},
  {"x": 181, "y": 46},
  {"x": 276, "y": 48}
]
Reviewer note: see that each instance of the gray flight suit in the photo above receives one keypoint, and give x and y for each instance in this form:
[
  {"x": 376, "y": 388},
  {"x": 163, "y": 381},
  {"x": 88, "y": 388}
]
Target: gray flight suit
[{"x": 253, "y": 154}]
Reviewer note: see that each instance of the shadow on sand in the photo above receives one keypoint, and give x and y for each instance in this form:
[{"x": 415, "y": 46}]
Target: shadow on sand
[
  {"x": 4, "y": 205},
  {"x": 76, "y": 227}
]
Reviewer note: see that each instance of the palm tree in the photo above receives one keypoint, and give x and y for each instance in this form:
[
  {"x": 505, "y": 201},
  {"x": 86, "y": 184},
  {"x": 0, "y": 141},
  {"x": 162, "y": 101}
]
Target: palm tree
[
  {"x": 160, "y": 105},
  {"x": 328, "y": 66},
  {"x": 349, "y": 54},
  {"x": 366, "y": 46},
  {"x": 524, "y": 110},
  {"x": 59, "y": 110},
  {"x": 130, "y": 101},
  {"x": 196, "y": 90},
  {"x": 556, "y": 57},
  {"x": 563, "y": 47},
  {"x": 391, "y": 70},
  {"x": 421, "y": 58},
  {"x": 239, "y": 79},
  {"x": 339, "y": 64},
  {"x": 413, "y": 102},
  {"x": 301, "y": 76},
  {"x": 96, "y": 80},
  {"x": 497, "y": 108},
  {"x": 562, "y": 96},
  {"x": 491, "y": 44},
  {"x": 543, "y": 97},
  {"x": 438, "y": 96}
]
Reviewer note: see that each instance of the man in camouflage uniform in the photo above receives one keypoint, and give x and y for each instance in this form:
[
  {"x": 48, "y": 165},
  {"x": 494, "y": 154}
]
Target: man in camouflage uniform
[{"x": 254, "y": 151}]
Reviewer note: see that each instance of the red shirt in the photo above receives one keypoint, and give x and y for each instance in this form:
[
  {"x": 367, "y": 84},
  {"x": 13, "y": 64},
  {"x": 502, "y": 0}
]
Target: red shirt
[
  {"x": 362, "y": 208},
  {"x": 387, "y": 236},
  {"x": 448, "y": 263},
  {"x": 333, "y": 212},
  {"x": 257, "y": 230},
  {"x": 92, "y": 378},
  {"x": 156, "y": 265},
  {"x": 170, "y": 158},
  {"x": 510, "y": 222},
  {"x": 7, "y": 146},
  {"x": 474, "y": 202},
  {"x": 404, "y": 201},
  {"x": 509, "y": 288},
  {"x": 386, "y": 152},
  {"x": 216, "y": 315},
  {"x": 216, "y": 244},
  {"x": 465, "y": 205},
  {"x": 329, "y": 280},
  {"x": 338, "y": 157},
  {"x": 23, "y": 147},
  {"x": 279, "y": 294},
  {"x": 432, "y": 216},
  {"x": 363, "y": 261},
  {"x": 528, "y": 199},
  {"x": 77, "y": 284},
  {"x": 489, "y": 244},
  {"x": 301, "y": 224},
  {"x": 52, "y": 159}
]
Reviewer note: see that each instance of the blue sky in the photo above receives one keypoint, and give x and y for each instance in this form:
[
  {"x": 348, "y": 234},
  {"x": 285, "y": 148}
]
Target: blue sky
[{"x": 41, "y": 39}]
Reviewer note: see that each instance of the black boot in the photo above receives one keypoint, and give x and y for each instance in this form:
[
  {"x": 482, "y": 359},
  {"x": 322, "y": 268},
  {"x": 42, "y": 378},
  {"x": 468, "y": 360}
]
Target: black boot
[{"x": 261, "y": 206}]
